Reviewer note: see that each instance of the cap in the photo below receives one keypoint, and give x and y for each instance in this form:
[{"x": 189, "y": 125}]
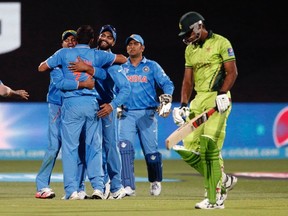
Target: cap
[
  {"x": 109, "y": 28},
  {"x": 68, "y": 33},
  {"x": 135, "y": 37}
]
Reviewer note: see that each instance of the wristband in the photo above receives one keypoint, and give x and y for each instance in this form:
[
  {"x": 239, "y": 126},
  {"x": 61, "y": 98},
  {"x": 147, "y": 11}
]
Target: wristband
[
  {"x": 183, "y": 105},
  {"x": 221, "y": 92}
]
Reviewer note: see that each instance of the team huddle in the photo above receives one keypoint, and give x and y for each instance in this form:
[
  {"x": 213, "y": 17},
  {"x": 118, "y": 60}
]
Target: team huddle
[{"x": 100, "y": 103}]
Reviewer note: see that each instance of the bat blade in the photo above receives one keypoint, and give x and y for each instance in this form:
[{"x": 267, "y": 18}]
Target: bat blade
[{"x": 183, "y": 131}]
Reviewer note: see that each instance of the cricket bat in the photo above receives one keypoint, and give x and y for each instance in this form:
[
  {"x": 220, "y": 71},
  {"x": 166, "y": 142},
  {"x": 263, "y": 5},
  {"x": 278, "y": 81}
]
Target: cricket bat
[{"x": 183, "y": 131}]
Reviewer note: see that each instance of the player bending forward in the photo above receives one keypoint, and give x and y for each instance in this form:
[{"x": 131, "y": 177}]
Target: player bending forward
[{"x": 210, "y": 69}]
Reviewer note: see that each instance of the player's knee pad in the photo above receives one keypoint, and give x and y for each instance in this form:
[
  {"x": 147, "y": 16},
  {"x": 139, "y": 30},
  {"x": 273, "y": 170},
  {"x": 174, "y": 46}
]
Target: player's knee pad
[
  {"x": 191, "y": 158},
  {"x": 212, "y": 170},
  {"x": 127, "y": 158},
  {"x": 154, "y": 166}
]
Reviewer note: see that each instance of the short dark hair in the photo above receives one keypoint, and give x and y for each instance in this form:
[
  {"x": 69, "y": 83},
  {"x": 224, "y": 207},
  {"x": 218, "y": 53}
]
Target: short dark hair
[{"x": 84, "y": 34}]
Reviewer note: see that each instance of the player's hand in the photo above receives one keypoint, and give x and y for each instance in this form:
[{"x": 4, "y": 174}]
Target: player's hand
[
  {"x": 222, "y": 102},
  {"x": 165, "y": 105},
  {"x": 180, "y": 114},
  {"x": 78, "y": 66},
  {"x": 89, "y": 83},
  {"x": 21, "y": 94},
  {"x": 105, "y": 109}
]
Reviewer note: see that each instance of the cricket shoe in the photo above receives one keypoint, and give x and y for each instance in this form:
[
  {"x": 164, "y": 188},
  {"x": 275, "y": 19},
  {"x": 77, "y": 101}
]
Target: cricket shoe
[
  {"x": 83, "y": 195},
  {"x": 73, "y": 196},
  {"x": 230, "y": 182},
  {"x": 129, "y": 191},
  {"x": 119, "y": 194},
  {"x": 97, "y": 194},
  {"x": 205, "y": 204},
  {"x": 45, "y": 193},
  {"x": 155, "y": 188},
  {"x": 107, "y": 190}
]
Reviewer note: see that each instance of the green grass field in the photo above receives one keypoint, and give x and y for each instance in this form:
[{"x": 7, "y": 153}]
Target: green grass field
[{"x": 251, "y": 196}]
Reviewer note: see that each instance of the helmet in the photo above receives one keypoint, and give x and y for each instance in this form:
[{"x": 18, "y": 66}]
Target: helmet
[{"x": 188, "y": 20}]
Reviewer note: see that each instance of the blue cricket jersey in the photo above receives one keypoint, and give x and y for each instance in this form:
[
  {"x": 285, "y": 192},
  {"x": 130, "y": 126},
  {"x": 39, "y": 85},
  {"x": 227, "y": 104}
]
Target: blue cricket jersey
[
  {"x": 58, "y": 83},
  {"x": 144, "y": 80},
  {"x": 115, "y": 89},
  {"x": 96, "y": 58}
]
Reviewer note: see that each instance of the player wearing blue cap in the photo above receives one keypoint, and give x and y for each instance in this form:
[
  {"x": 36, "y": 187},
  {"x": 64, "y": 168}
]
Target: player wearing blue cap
[
  {"x": 6, "y": 91},
  {"x": 139, "y": 119},
  {"x": 113, "y": 92},
  {"x": 54, "y": 99},
  {"x": 78, "y": 113}
]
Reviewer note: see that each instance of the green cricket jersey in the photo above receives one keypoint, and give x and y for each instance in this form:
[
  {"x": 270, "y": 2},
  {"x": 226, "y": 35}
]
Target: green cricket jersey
[{"x": 207, "y": 62}]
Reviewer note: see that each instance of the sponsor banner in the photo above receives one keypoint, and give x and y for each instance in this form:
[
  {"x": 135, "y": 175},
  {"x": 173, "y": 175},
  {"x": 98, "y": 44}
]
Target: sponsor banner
[{"x": 254, "y": 131}]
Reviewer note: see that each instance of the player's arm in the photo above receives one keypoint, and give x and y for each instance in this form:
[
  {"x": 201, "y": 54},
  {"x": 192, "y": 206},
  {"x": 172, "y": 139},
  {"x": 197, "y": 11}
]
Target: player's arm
[
  {"x": 66, "y": 84},
  {"x": 80, "y": 65},
  {"x": 165, "y": 99},
  {"x": 222, "y": 100},
  {"x": 123, "y": 89},
  {"x": 182, "y": 112},
  {"x": 43, "y": 67},
  {"x": 187, "y": 86},
  {"x": 231, "y": 75},
  {"x": 6, "y": 91},
  {"x": 120, "y": 59}
]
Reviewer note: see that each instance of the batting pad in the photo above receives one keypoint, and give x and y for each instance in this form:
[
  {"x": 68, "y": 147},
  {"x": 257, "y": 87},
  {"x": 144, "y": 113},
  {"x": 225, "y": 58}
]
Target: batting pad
[
  {"x": 154, "y": 166},
  {"x": 127, "y": 157},
  {"x": 212, "y": 169},
  {"x": 191, "y": 158}
]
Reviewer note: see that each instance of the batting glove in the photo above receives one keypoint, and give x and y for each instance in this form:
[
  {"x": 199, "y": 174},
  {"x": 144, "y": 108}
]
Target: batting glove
[
  {"x": 165, "y": 105},
  {"x": 222, "y": 102},
  {"x": 180, "y": 114}
]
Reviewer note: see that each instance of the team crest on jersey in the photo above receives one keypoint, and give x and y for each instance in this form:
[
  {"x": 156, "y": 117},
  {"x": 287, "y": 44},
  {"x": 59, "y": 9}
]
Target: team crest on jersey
[
  {"x": 230, "y": 52},
  {"x": 125, "y": 70},
  {"x": 146, "y": 69}
]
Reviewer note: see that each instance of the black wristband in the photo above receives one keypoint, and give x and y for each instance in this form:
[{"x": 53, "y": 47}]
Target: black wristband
[
  {"x": 183, "y": 105},
  {"x": 221, "y": 92}
]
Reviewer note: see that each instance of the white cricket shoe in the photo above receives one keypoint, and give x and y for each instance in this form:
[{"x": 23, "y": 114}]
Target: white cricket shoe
[
  {"x": 155, "y": 188},
  {"x": 205, "y": 204},
  {"x": 121, "y": 193},
  {"x": 107, "y": 190},
  {"x": 230, "y": 182},
  {"x": 74, "y": 196},
  {"x": 129, "y": 191},
  {"x": 45, "y": 193},
  {"x": 97, "y": 194},
  {"x": 83, "y": 195}
]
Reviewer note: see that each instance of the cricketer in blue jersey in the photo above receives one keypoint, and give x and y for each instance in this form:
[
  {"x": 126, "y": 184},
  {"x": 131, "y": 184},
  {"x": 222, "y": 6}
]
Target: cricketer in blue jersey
[
  {"x": 79, "y": 113},
  {"x": 139, "y": 114},
  {"x": 54, "y": 99},
  {"x": 109, "y": 101},
  {"x": 6, "y": 91},
  {"x": 113, "y": 92}
]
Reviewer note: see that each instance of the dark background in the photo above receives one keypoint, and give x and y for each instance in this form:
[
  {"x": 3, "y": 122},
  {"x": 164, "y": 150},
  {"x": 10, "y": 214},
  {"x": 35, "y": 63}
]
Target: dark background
[{"x": 257, "y": 30}]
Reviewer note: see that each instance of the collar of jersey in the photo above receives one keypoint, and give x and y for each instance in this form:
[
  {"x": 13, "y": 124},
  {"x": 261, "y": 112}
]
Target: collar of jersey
[{"x": 82, "y": 46}]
